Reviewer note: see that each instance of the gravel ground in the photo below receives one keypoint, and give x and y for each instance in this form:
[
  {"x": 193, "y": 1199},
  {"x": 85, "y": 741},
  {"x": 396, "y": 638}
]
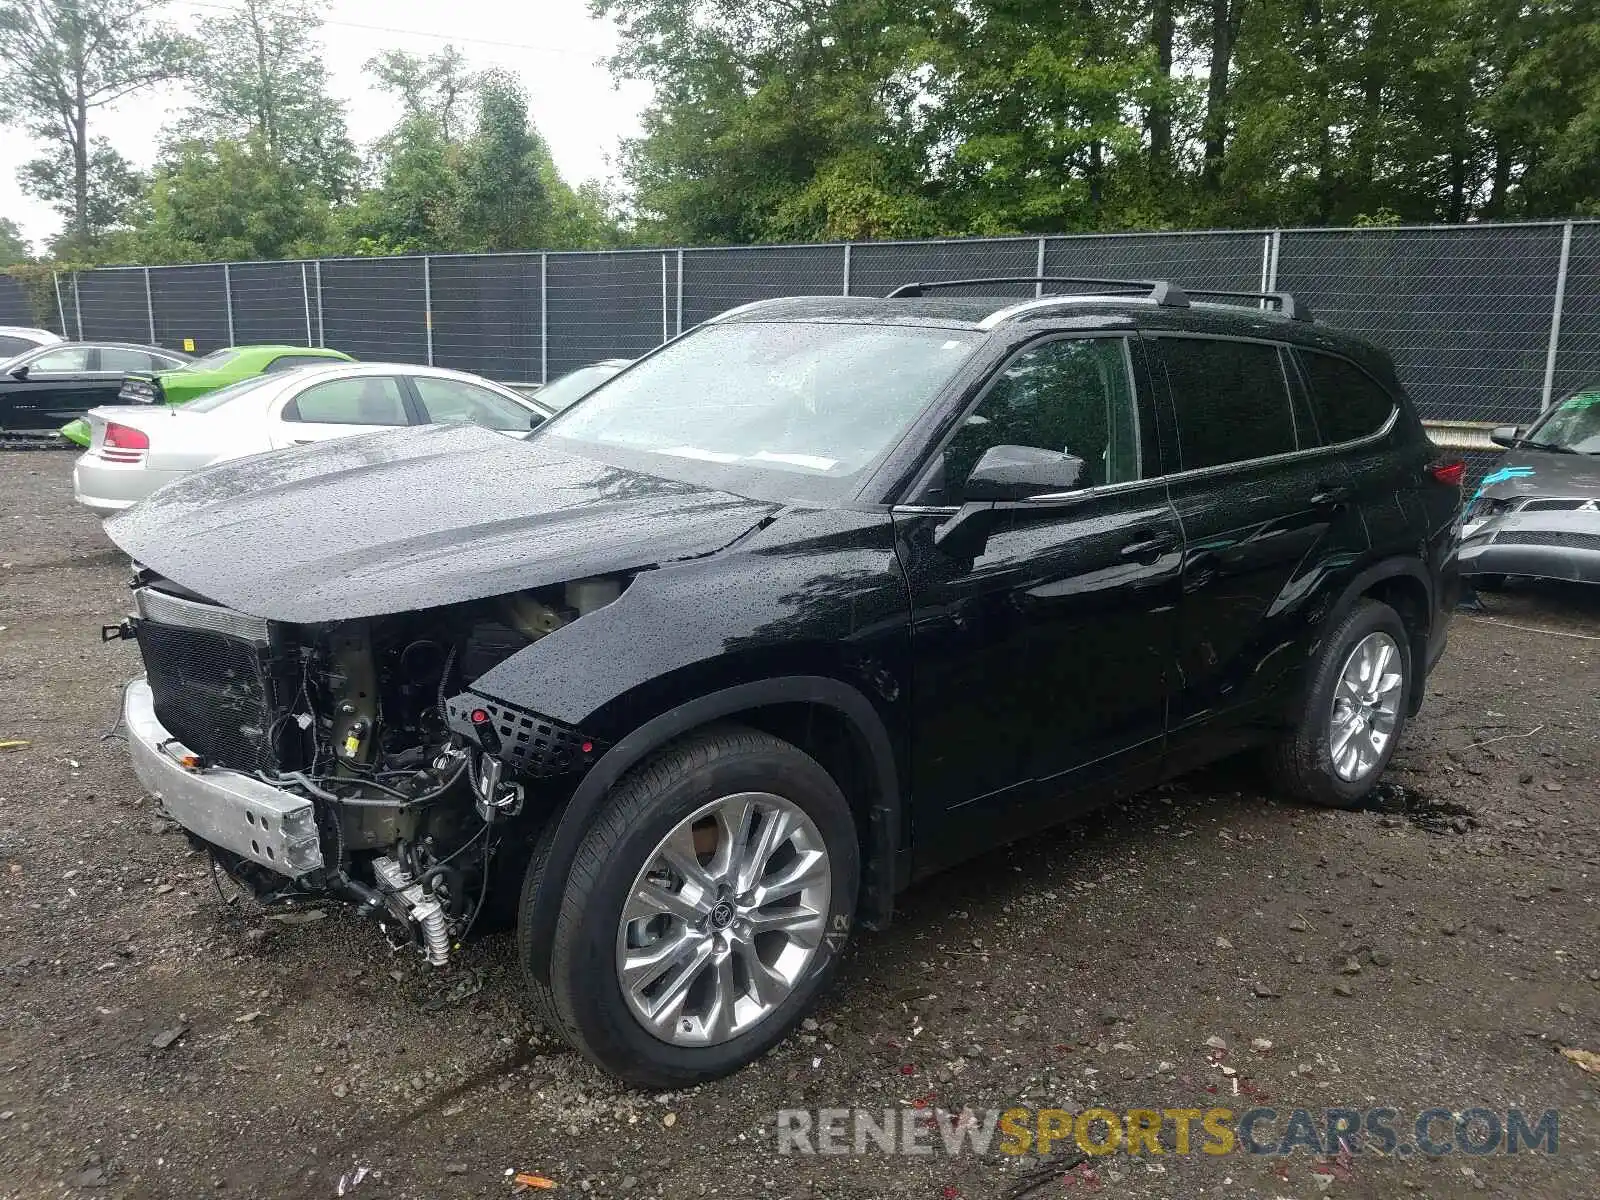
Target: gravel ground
[{"x": 1438, "y": 950}]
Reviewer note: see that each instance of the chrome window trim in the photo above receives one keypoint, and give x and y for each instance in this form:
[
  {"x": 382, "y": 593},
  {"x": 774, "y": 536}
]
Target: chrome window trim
[
  {"x": 1309, "y": 452},
  {"x": 1181, "y": 476}
]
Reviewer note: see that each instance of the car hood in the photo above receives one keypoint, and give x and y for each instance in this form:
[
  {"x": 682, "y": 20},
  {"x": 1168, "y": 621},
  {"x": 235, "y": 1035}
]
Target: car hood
[
  {"x": 415, "y": 518},
  {"x": 1540, "y": 473}
]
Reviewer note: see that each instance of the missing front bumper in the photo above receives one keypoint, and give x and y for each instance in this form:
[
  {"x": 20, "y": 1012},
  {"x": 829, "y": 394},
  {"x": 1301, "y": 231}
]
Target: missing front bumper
[{"x": 258, "y": 822}]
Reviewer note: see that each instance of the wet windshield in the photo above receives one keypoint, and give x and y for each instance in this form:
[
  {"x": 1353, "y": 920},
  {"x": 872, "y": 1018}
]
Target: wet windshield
[
  {"x": 817, "y": 401},
  {"x": 575, "y": 385},
  {"x": 1573, "y": 425},
  {"x": 233, "y": 391}
]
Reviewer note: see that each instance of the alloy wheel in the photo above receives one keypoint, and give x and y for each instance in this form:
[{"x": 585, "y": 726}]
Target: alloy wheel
[
  {"x": 723, "y": 919},
  {"x": 1366, "y": 707}
]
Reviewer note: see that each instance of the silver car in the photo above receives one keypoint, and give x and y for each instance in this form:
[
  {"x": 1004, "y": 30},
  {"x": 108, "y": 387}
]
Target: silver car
[
  {"x": 136, "y": 448},
  {"x": 1538, "y": 512}
]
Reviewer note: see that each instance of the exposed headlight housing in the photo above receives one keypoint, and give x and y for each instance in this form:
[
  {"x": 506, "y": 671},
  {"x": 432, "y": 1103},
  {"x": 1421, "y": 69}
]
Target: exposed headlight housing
[{"x": 1485, "y": 507}]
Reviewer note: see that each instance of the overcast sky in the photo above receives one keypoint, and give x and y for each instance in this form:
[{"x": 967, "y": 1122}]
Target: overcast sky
[{"x": 555, "y": 46}]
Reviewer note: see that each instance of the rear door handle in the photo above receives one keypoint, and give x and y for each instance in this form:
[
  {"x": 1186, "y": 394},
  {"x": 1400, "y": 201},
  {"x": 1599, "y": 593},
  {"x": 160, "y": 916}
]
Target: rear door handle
[{"x": 1150, "y": 547}]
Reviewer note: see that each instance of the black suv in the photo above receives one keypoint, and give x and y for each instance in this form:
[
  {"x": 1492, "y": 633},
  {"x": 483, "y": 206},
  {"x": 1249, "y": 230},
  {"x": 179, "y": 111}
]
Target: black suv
[{"x": 820, "y": 597}]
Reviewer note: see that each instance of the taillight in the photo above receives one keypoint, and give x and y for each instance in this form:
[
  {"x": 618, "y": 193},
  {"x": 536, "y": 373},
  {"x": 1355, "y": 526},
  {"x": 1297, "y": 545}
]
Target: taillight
[
  {"x": 124, "y": 444},
  {"x": 1449, "y": 473}
]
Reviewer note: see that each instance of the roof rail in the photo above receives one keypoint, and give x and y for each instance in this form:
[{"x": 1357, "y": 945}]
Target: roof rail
[
  {"x": 1295, "y": 310},
  {"x": 1159, "y": 290}
]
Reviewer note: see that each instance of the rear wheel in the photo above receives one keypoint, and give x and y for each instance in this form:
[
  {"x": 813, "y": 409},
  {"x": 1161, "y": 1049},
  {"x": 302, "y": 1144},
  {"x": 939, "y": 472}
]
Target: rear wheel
[
  {"x": 1354, "y": 711},
  {"x": 705, "y": 909}
]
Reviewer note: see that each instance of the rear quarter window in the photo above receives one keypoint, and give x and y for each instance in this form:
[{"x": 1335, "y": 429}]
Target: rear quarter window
[{"x": 1349, "y": 403}]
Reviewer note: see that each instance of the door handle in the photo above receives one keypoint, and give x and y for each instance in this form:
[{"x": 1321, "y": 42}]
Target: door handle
[
  {"x": 1151, "y": 547},
  {"x": 1330, "y": 495}
]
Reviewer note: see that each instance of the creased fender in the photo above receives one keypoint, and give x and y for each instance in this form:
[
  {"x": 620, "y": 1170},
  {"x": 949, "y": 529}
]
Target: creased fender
[{"x": 881, "y": 874}]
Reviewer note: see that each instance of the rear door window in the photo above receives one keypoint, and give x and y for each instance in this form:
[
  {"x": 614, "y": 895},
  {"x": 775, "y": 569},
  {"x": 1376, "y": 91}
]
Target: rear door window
[
  {"x": 1349, "y": 403},
  {"x": 1231, "y": 400},
  {"x": 367, "y": 400},
  {"x": 452, "y": 400},
  {"x": 115, "y": 358}
]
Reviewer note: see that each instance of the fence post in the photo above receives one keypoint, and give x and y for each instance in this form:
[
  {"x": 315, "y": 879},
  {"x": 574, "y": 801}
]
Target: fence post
[
  {"x": 227, "y": 292},
  {"x": 1555, "y": 317},
  {"x": 322, "y": 332},
  {"x": 1266, "y": 263},
  {"x": 77, "y": 305},
  {"x": 305, "y": 299},
  {"x": 680, "y": 289},
  {"x": 149, "y": 306},
  {"x": 427, "y": 303},
  {"x": 544, "y": 318},
  {"x": 846, "y": 291},
  {"x": 664, "y": 334},
  {"x": 1272, "y": 265},
  {"x": 1038, "y": 287},
  {"x": 61, "y": 310}
]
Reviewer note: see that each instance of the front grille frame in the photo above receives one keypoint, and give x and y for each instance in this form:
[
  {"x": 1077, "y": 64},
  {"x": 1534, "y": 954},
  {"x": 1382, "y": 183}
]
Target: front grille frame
[
  {"x": 1558, "y": 539},
  {"x": 222, "y": 682}
]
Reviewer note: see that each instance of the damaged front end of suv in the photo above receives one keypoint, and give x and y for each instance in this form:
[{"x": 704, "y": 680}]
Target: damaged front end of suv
[
  {"x": 308, "y": 710},
  {"x": 349, "y": 759}
]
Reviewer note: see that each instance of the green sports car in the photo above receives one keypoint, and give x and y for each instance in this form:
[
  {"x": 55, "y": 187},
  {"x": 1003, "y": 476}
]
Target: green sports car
[{"x": 215, "y": 370}]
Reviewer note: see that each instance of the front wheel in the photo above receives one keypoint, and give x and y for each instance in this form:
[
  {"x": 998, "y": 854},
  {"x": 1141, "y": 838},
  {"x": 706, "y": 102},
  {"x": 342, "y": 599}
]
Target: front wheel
[
  {"x": 705, "y": 909},
  {"x": 1354, "y": 712}
]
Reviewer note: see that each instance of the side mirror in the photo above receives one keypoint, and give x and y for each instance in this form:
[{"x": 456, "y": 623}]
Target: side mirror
[
  {"x": 535, "y": 421},
  {"x": 1018, "y": 472},
  {"x": 1506, "y": 435},
  {"x": 19, "y": 372}
]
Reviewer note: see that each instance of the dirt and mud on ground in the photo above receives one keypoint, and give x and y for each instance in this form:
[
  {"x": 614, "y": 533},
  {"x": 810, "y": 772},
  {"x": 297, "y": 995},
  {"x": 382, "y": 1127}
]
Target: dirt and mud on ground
[{"x": 1441, "y": 949}]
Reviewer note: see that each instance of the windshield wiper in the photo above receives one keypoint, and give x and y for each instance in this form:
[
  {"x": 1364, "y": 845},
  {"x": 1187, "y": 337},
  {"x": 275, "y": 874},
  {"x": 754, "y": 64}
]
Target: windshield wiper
[{"x": 1550, "y": 446}]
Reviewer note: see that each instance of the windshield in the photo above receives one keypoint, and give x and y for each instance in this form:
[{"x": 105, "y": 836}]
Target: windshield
[
  {"x": 233, "y": 391},
  {"x": 212, "y": 361},
  {"x": 815, "y": 401},
  {"x": 1573, "y": 425},
  {"x": 575, "y": 385}
]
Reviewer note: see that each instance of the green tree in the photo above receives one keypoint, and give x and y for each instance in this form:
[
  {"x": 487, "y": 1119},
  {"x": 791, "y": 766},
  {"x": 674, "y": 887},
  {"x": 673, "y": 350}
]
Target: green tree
[
  {"x": 227, "y": 199},
  {"x": 262, "y": 79},
  {"x": 60, "y": 62},
  {"x": 505, "y": 194},
  {"x": 438, "y": 87},
  {"x": 417, "y": 203},
  {"x": 778, "y": 119},
  {"x": 13, "y": 246},
  {"x": 115, "y": 191}
]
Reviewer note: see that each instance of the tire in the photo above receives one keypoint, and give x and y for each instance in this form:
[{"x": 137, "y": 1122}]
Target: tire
[
  {"x": 1302, "y": 763},
  {"x": 1493, "y": 582},
  {"x": 726, "y": 769}
]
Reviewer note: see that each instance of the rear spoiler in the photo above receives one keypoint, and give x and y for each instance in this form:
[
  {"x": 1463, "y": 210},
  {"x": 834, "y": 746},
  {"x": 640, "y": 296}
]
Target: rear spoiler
[{"x": 142, "y": 389}]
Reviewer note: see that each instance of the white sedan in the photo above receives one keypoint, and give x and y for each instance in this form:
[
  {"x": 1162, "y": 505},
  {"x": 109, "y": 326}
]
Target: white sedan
[{"x": 136, "y": 448}]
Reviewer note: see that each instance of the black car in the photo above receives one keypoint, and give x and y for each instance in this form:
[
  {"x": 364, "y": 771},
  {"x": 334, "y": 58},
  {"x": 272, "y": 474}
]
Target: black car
[
  {"x": 42, "y": 389},
  {"x": 818, "y": 598}
]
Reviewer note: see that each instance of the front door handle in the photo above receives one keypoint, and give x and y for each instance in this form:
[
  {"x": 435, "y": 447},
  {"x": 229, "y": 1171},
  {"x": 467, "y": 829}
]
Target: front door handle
[{"x": 1150, "y": 548}]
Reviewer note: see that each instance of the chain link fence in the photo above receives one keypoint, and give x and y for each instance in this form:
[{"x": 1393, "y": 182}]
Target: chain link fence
[{"x": 1485, "y": 322}]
